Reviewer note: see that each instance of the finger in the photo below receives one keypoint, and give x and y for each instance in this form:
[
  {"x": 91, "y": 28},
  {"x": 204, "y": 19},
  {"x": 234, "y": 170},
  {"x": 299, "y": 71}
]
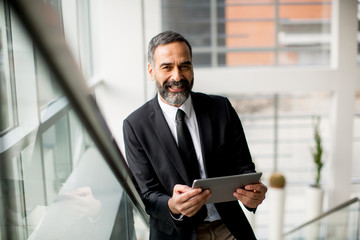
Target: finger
[
  {"x": 249, "y": 202},
  {"x": 250, "y": 199},
  {"x": 252, "y": 187},
  {"x": 196, "y": 198},
  {"x": 178, "y": 188},
  {"x": 180, "y": 202},
  {"x": 259, "y": 187},
  {"x": 202, "y": 196},
  {"x": 191, "y": 210},
  {"x": 255, "y": 195},
  {"x": 258, "y": 195},
  {"x": 193, "y": 205},
  {"x": 190, "y": 194}
]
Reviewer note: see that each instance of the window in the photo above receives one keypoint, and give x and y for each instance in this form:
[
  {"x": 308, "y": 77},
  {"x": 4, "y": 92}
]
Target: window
[
  {"x": 7, "y": 89},
  {"x": 56, "y": 152},
  {"x": 49, "y": 166},
  {"x": 48, "y": 89},
  {"x": 253, "y": 33},
  {"x": 56, "y": 5},
  {"x": 85, "y": 38}
]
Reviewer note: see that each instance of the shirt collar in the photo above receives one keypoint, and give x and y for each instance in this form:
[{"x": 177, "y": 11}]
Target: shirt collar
[{"x": 187, "y": 107}]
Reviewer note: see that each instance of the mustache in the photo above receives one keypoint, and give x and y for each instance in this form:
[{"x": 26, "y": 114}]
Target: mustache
[{"x": 172, "y": 83}]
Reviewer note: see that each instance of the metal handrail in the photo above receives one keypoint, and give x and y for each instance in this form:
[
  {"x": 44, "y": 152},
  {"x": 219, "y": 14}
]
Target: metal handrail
[
  {"x": 44, "y": 28},
  {"x": 327, "y": 213}
]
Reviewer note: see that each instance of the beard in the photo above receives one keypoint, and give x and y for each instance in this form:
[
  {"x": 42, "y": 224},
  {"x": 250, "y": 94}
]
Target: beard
[{"x": 175, "y": 98}]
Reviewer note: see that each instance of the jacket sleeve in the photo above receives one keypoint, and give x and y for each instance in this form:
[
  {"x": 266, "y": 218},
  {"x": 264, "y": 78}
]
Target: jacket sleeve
[{"x": 149, "y": 187}]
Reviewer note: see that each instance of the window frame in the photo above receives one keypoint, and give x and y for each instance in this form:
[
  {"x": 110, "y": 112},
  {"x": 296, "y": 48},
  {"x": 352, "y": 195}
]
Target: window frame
[{"x": 8, "y": 69}]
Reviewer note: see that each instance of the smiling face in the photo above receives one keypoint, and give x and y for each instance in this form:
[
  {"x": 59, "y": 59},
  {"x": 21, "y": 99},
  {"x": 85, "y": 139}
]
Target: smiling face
[{"x": 173, "y": 72}]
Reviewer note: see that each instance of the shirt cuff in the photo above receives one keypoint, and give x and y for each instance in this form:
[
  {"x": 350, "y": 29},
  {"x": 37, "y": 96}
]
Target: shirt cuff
[{"x": 177, "y": 217}]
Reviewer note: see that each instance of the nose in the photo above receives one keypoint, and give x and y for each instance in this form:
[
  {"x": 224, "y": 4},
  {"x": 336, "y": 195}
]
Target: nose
[{"x": 176, "y": 74}]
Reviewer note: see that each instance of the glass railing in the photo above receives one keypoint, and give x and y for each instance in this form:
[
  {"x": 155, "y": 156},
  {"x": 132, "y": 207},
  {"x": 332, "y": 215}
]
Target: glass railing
[
  {"x": 341, "y": 222},
  {"x": 62, "y": 176}
]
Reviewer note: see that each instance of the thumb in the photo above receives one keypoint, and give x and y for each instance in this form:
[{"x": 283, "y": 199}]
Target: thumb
[{"x": 181, "y": 188}]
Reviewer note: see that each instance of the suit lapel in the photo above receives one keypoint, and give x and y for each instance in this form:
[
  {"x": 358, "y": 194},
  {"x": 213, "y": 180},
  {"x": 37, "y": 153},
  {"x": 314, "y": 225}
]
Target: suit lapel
[{"x": 167, "y": 140}]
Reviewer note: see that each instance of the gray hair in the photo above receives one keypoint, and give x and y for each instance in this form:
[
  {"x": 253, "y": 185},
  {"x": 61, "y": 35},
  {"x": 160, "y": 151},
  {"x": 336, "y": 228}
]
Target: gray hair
[{"x": 165, "y": 38}]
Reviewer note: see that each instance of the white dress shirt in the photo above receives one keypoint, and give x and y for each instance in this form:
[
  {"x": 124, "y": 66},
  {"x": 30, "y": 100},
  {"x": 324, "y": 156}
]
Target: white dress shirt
[{"x": 191, "y": 122}]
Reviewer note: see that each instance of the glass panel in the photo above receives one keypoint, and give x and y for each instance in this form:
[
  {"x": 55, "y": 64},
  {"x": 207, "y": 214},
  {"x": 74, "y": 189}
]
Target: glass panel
[
  {"x": 220, "y": 25},
  {"x": 7, "y": 106},
  {"x": 287, "y": 138},
  {"x": 56, "y": 155},
  {"x": 48, "y": 90},
  {"x": 342, "y": 224},
  {"x": 128, "y": 223},
  {"x": 250, "y": 34},
  {"x": 249, "y": 25},
  {"x": 85, "y": 38},
  {"x": 34, "y": 189},
  {"x": 190, "y": 18},
  {"x": 305, "y": 56},
  {"x": 305, "y": 25},
  {"x": 251, "y": 58},
  {"x": 84, "y": 208},
  {"x": 202, "y": 59},
  {"x": 80, "y": 141},
  {"x": 137, "y": 227},
  {"x": 13, "y": 223},
  {"x": 56, "y": 4},
  {"x": 47, "y": 85}
]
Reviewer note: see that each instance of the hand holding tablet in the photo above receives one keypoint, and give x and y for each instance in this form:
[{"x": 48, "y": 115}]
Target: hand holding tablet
[{"x": 222, "y": 188}]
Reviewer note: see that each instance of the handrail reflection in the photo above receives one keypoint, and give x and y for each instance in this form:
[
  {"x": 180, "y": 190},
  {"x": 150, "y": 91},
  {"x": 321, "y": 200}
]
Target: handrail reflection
[{"x": 85, "y": 207}]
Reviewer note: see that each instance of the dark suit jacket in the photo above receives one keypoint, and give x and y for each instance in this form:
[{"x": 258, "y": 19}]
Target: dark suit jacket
[{"x": 155, "y": 162}]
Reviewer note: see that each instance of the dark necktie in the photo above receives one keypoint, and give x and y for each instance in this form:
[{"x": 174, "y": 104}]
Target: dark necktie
[{"x": 186, "y": 146}]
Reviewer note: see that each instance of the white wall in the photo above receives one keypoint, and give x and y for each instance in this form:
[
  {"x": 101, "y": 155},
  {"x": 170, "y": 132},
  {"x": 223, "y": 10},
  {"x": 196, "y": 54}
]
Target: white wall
[{"x": 118, "y": 53}]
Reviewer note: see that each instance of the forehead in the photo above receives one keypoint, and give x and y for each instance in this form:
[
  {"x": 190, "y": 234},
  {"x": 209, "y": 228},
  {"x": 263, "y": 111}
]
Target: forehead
[{"x": 172, "y": 52}]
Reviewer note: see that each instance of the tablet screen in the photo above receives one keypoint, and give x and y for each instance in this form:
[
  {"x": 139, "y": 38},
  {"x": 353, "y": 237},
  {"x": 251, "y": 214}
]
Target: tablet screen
[{"x": 222, "y": 188}]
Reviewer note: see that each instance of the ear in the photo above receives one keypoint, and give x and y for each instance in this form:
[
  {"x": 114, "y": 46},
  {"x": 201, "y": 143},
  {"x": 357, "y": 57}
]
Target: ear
[{"x": 151, "y": 72}]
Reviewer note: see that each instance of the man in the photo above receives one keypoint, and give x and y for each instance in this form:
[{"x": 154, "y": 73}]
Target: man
[{"x": 160, "y": 165}]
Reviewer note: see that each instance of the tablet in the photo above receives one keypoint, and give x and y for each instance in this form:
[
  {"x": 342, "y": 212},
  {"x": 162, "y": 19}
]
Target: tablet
[{"x": 222, "y": 188}]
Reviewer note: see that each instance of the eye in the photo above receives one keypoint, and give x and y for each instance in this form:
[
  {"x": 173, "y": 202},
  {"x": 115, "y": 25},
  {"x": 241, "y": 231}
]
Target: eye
[
  {"x": 166, "y": 67},
  {"x": 185, "y": 67}
]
